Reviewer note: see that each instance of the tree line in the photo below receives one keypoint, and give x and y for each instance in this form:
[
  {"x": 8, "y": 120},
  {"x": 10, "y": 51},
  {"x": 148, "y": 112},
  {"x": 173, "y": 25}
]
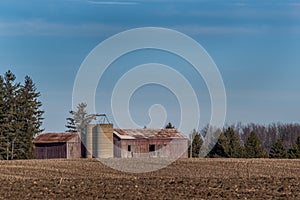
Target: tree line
[
  {"x": 20, "y": 117},
  {"x": 235, "y": 141},
  {"x": 251, "y": 141}
]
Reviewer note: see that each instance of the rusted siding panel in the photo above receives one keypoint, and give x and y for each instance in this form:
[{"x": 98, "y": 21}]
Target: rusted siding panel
[{"x": 56, "y": 137}]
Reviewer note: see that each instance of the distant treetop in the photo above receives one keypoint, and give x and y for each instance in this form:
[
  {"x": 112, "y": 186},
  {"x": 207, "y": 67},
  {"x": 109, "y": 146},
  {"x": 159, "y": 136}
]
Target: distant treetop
[{"x": 169, "y": 126}]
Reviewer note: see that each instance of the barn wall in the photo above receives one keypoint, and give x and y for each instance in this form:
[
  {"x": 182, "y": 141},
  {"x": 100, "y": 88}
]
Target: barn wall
[
  {"x": 50, "y": 150},
  {"x": 172, "y": 148},
  {"x": 74, "y": 147},
  {"x": 73, "y": 150},
  {"x": 117, "y": 147}
]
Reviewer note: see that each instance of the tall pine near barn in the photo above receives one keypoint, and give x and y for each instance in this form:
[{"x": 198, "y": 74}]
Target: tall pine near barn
[
  {"x": 10, "y": 115},
  {"x": 20, "y": 117},
  {"x": 30, "y": 117}
]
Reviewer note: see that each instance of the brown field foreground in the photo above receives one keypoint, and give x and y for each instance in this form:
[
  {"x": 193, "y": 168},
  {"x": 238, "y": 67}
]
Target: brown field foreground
[{"x": 184, "y": 179}]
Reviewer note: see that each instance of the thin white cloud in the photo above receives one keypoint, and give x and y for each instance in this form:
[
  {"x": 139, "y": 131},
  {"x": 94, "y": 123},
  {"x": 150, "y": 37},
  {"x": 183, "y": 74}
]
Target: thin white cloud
[
  {"x": 42, "y": 28},
  {"x": 218, "y": 30},
  {"x": 113, "y": 2}
]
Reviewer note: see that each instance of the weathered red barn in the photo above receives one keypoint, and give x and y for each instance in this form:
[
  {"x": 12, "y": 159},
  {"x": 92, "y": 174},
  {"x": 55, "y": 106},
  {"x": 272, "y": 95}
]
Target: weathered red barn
[
  {"x": 168, "y": 143},
  {"x": 57, "y": 145}
]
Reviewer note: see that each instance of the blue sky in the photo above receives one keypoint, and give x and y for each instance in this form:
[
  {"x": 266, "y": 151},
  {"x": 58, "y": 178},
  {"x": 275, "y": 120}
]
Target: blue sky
[{"x": 255, "y": 44}]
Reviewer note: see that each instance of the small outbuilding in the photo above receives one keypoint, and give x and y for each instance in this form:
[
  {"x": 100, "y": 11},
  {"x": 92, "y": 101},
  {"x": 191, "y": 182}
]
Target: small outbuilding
[
  {"x": 57, "y": 145},
  {"x": 168, "y": 143}
]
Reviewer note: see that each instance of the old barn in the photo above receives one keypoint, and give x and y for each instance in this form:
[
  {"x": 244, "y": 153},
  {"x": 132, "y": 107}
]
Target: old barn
[
  {"x": 103, "y": 141},
  {"x": 149, "y": 143},
  {"x": 57, "y": 145}
]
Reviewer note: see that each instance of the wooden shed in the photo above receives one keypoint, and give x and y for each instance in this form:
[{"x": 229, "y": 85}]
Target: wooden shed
[
  {"x": 57, "y": 145},
  {"x": 169, "y": 143}
]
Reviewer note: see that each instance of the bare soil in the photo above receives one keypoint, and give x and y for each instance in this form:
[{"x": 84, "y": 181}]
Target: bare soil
[{"x": 184, "y": 179}]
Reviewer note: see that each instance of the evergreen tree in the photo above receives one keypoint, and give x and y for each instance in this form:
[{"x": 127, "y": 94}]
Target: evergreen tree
[
  {"x": 253, "y": 147},
  {"x": 196, "y": 144},
  {"x": 219, "y": 150},
  {"x": 234, "y": 148},
  {"x": 278, "y": 150},
  {"x": 81, "y": 118},
  {"x": 77, "y": 123},
  {"x": 30, "y": 117},
  {"x": 294, "y": 152},
  {"x": 291, "y": 153},
  {"x": 20, "y": 117},
  {"x": 71, "y": 126},
  {"x": 297, "y": 147},
  {"x": 169, "y": 126},
  {"x": 10, "y": 115},
  {"x": 211, "y": 144},
  {"x": 228, "y": 146}
]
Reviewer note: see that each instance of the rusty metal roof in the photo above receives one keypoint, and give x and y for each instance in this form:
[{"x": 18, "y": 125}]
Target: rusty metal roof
[
  {"x": 54, "y": 137},
  {"x": 149, "y": 134}
]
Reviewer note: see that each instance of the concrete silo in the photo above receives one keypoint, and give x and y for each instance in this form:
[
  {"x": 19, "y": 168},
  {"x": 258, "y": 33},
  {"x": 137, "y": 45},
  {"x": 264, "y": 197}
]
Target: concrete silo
[
  {"x": 88, "y": 143},
  {"x": 99, "y": 141}
]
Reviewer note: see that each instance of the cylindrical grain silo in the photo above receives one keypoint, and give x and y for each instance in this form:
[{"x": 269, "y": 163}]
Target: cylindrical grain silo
[
  {"x": 104, "y": 141},
  {"x": 89, "y": 140}
]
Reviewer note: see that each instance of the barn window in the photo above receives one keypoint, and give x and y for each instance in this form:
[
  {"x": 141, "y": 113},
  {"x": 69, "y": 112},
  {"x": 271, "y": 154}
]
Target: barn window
[
  {"x": 151, "y": 147},
  {"x": 129, "y": 147}
]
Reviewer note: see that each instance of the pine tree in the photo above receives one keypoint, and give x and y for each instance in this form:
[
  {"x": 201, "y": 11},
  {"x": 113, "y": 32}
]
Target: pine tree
[
  {"x": 169, "y": 126},
  {"x": 196, "y": 144},
  {"x": 81, "y": 118},
  {"x": 219, "y": 150},
  {"x": 291, "y": 153},
  {"x": 20, "y": 117},
  {"x": 253, "y": 147},
  {"x": 234, "y": 148},
  {"x": 211, "y": 143},
  {"x": 294, "y": 152},
  {"x": 10, "y": 114},
  {"x": 30, "y": 117},
  {"x": 278, "y": 150},
  {"x": 71, "y": 125},
  {"x": 297, "y": 147},
  {"x": 228, "y": 146},
  {"x": 77, "y": 123}
]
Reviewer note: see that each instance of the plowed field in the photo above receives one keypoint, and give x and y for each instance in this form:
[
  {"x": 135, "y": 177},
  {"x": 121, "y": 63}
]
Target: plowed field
[{"x": 184, "y": 179}]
